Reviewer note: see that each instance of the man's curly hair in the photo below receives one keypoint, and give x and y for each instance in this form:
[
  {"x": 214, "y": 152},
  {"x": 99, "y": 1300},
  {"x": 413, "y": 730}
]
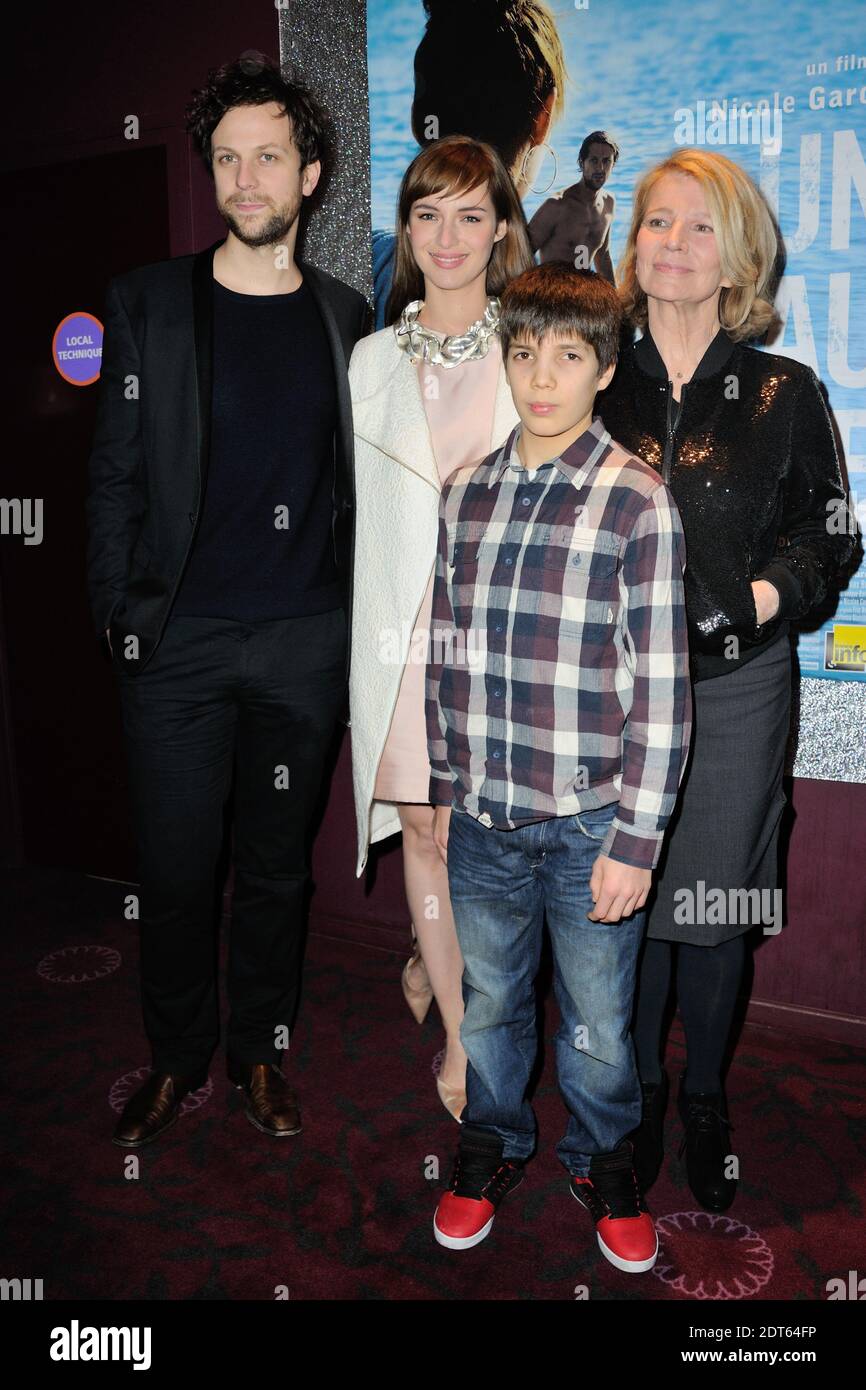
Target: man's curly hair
[{"x": 254, "y": 80}]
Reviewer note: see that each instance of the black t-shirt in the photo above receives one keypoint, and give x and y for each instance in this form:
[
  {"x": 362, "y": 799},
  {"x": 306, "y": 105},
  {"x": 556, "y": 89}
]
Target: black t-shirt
[{"x": 265, "y": 546}]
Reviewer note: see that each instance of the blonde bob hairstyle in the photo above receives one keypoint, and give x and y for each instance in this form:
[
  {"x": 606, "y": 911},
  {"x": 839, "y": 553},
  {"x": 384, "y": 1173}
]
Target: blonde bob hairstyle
[
  {"x": 451, "y": 166},
  {"x": 745, "y": 237}
]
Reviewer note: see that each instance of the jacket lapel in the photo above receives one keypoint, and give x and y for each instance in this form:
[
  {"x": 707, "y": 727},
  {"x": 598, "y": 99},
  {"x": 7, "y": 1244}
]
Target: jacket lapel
[
  {"x": 392, "y": 418},
  {"x": 202, "y": 293},
  {"x": 319, "y": 290}
]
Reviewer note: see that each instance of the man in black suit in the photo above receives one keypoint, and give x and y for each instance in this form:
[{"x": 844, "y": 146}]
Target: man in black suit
[{"x": 220, "y": 520}]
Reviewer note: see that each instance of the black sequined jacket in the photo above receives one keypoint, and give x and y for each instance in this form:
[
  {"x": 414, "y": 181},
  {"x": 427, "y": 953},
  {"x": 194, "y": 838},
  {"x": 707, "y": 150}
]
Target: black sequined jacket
[{"x": 750, "y": 457}]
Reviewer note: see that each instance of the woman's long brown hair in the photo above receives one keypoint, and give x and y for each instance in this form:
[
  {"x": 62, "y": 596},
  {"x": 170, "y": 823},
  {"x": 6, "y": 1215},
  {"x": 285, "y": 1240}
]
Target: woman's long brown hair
[{"x": 452, "y": 166}]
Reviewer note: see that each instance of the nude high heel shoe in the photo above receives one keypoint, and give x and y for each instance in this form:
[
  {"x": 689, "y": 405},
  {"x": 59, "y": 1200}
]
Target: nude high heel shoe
[{"x": 418, "y": 997}]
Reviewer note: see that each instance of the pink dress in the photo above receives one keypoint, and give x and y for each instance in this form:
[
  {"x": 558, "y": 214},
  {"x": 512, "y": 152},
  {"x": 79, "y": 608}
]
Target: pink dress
[{"x": 460, "y": 420}]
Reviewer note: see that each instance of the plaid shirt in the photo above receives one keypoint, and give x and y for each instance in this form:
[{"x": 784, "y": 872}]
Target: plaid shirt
[{"x": 557, "y": 676}]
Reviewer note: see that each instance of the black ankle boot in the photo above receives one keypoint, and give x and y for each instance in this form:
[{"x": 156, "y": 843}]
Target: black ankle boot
[
  {"x": 648, "y": 1139},
  {"x": 707, "y": 1144}
]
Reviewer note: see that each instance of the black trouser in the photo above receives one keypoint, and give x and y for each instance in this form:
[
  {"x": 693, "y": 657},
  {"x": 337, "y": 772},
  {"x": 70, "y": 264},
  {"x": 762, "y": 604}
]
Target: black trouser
[{"x": 222, "y": 699}]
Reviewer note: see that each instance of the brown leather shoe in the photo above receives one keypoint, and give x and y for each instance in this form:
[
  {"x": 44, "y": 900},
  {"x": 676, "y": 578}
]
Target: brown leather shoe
[
  {"x": 153, "y": 1108},
  {"x": 272, "y": 1105}
]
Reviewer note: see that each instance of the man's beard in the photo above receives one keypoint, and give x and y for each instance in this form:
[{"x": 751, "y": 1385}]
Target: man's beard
[{"x": 271, "y": 232}]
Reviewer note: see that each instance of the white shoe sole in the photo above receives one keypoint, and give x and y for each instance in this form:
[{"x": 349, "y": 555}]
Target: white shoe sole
[
  {"x": 627, "y": 1266},
  {"x": 461, "y": 1242}
]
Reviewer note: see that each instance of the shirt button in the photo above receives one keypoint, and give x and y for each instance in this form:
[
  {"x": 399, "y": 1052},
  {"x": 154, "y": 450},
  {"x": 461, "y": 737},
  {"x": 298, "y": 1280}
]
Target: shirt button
[
  {"x": 508, "y": 560},
  {"x": 575, "y": 560},
  {"x": 498, "y": 627},
  {"x": 496, "y": 753},
  {"x": 525, "y": 501},
  {"x": 499, "y": 693}
]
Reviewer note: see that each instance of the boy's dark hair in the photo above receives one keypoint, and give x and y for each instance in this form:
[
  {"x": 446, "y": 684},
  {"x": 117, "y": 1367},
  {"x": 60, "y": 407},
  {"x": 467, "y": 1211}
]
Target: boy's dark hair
[
  {"x": 254, "y": 80},
  {"x": 597, "y": 137},
  {"x": 555, "y": 299}
]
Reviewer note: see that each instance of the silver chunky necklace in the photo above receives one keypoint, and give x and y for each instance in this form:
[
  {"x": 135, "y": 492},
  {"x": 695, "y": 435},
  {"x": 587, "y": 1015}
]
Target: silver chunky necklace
[{"x": 422, "y": 343}]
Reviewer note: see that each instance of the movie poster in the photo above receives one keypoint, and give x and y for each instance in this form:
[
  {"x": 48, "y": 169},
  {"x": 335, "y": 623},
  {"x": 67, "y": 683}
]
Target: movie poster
[{"x": 781, "y": 89}]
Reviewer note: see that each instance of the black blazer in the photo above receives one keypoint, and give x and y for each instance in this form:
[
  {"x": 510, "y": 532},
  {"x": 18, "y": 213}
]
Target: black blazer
[{"x": 148, "y": 465}]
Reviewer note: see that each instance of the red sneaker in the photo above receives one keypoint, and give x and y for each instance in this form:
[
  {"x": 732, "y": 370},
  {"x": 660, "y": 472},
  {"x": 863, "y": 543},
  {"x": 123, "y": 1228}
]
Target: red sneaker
[
  {"x": 611, "y": 1195},
  {"x": 480, "y": 1180}
]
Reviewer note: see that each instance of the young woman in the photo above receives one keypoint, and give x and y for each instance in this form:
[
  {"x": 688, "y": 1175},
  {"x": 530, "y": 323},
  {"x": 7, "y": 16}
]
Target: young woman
[{"x": 429, "y": 395}]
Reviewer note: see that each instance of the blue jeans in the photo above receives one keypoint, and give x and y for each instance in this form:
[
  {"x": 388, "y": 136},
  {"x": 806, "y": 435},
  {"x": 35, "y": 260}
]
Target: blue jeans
[{"x": 502, "y": 882}]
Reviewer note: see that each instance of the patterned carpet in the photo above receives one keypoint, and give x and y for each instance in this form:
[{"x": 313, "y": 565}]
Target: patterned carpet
[{"x": 344, "y": 1211}]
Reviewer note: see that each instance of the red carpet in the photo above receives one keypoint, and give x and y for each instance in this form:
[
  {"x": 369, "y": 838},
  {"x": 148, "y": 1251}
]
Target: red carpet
[{"x": 344, "y": 1211}]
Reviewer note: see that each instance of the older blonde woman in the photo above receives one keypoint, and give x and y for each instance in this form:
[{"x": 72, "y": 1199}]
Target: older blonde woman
[
  {"x": 743, "y": 439},
  {"x": 429, "y": 394}
]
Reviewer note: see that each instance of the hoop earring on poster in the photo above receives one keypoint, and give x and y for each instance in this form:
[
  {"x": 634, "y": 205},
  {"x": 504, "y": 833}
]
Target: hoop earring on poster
[{"x": 524, "y": 177}]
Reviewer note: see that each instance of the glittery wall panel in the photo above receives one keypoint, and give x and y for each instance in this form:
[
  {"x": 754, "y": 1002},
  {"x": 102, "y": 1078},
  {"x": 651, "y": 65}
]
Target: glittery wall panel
[
  {"x": 325, "y": 41},
  {"x": 832, "y": 736}
]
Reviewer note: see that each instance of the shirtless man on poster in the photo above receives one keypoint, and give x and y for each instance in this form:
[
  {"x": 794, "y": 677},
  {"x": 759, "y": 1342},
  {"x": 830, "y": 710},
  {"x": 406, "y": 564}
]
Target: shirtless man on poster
[{"x": 574, "y": 225}]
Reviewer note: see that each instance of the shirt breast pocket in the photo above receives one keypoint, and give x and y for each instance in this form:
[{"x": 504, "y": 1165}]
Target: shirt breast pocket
[
  {"x": 464, "y": 551},
  {"x": 464, "y": 540},
  {"x": 581, "y": 574}
]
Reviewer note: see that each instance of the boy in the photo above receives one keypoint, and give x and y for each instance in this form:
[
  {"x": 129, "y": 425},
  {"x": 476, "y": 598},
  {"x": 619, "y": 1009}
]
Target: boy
[{"x": 556, "y": 755}]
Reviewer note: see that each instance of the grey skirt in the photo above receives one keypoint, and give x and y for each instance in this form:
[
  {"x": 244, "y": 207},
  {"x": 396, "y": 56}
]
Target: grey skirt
[{"x": 717, "y": 875}]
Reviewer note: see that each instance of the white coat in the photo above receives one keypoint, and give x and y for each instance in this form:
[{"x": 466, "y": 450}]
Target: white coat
[{"x": 397, "y": 491}]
